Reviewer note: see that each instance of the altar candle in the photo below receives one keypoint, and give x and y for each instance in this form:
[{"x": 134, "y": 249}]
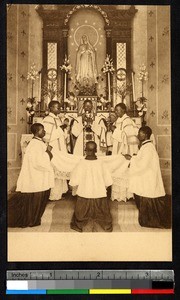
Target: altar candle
[
  {"x": 109, "y": 88},
  {"x": 133, "y": 88},
  {"x": 65, "y": 75},
  {"x": 39, "y": 96}
]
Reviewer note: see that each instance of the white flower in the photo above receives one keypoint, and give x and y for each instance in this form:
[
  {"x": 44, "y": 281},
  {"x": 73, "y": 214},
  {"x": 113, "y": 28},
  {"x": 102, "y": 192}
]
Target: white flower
[
  {"x": 66, "y": 65},
  {"x": 108, "y": 65},
  {"x": 29, "y": 104},
  {"x": 32, "y": 112},
  {"x": 143, "y": 74},
  {"x": 140, "y": 113},
  {"x": 33, "y": 74}
]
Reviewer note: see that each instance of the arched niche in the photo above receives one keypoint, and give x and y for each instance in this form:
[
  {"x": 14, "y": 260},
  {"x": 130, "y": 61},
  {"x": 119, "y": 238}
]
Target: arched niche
[
  {"x": 57, "y": 28},
  {"x": 88, "y": 22}
]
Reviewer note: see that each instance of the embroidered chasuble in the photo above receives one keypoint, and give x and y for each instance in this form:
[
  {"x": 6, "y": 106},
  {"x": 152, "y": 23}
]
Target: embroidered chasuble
[
  {"x": 125, "y": 139},
  {"x": 56, "y": 138},
  {"x": 86, "y": 130}
]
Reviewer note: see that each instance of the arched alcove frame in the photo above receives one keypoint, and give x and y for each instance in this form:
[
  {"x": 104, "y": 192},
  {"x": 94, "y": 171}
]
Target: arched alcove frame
[{"x": 118, "y": 28}]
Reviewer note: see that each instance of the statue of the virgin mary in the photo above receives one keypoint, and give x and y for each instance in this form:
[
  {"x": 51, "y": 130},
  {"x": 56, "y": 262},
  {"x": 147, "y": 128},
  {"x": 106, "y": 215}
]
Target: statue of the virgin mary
[{"x": 86, "y": 68}]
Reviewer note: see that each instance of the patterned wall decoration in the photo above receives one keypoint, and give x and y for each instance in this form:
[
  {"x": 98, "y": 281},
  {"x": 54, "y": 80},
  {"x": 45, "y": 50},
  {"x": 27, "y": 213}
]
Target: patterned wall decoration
[
  {"x": 17, "y": 85},
  {"x": 163, "y": 51},
  {"x": 151, "y": 62},
  {"x": 159, "y": 91},
  {"x": 12, "y": 29},
  {"x": 24, "y": 46}
]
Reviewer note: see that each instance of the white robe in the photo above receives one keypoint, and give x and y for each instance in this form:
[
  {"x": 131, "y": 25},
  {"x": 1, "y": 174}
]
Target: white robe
[
  {"x": 125, "y": 139},
  {"x": 145, "y": 174},
  {"x": 56, "y": 138},
  {"x": 99, "y": 129},
  {"x": 36, "y": 173},
  {"x": 91, "y": 178}
]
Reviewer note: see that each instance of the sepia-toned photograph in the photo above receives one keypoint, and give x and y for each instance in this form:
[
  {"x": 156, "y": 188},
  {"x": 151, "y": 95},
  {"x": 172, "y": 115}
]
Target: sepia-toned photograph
[{"x": 89, "y": 132}]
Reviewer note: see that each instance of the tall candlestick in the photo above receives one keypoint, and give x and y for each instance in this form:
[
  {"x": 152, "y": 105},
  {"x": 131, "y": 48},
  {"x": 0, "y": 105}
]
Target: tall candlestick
[
  {"x": 39, "y": 94},
  {"x": 133, "y": 88},
  {"x": 109, "y": 88},
  {"x": 65, "y": 76}
]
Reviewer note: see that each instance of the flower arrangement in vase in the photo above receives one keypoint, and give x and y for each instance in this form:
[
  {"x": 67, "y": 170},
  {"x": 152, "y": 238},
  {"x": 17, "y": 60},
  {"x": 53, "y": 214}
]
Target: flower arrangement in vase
[
  {"x": 123, "y": 90},
  {"x": 108, "y": 69},
  {"x": 141, "y": 103},
  {"x": 32, "y": 76},
  {"x": 66, "y": 68},
  {"x": 108, "y": 65}
]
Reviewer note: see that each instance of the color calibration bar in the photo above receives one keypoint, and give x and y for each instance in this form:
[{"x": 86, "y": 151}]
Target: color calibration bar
[{"x": 90, "y": 282}]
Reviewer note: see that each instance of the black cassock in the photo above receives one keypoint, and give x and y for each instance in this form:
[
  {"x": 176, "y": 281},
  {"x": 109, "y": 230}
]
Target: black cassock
[
  {"x": 154, "y": 212},
  {"x": 26, "y": 209}
]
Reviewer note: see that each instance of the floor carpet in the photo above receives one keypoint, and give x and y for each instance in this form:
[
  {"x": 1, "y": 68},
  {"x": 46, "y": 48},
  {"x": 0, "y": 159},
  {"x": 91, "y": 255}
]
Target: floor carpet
[
  {"x": 63, "y": 211},
  {"x": 57, "y": 217}
]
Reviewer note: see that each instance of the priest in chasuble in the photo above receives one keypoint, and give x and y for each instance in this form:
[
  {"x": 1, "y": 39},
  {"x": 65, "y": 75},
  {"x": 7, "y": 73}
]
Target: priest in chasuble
[{"x": 89, "y": 127}]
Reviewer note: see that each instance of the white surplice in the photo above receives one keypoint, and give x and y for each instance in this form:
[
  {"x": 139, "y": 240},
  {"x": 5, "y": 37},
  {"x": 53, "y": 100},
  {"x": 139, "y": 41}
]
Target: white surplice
[
  {"x": 56, "y": 138},
  {"x": 145, "y": 174},
  {"x": 91, "y": 178},
  {"x": 36, "y": 173}
]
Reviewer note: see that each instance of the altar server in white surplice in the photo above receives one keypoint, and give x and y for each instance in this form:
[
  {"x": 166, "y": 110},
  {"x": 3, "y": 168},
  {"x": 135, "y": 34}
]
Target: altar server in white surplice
[
  {"x": 145, "y": 181},
  {"x": 91, "y": 177},
  {"x": 36, "y": 177},
  {"x": 56, "y": 138},
  {"x": 145, "y": 174},
  {"x": 89, "y": 127}
]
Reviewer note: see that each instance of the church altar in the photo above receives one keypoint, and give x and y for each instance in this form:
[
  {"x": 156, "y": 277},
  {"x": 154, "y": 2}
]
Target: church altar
[{"x": 86, "y": 57}]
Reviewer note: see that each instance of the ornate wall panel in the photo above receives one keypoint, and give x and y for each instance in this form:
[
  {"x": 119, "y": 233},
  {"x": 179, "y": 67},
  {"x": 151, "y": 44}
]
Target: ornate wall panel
[
  {"x": 12, "y": 147},
  {"x": 159, "y": 88},
  {"x": 12, "y": 76},
  {"x": 17, "y": 85},
  {"x": 164, "y": 76}
]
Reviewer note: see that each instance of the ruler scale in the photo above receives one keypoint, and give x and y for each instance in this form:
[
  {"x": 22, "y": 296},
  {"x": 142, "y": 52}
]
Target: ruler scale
[{"x": 90, "y": 282}]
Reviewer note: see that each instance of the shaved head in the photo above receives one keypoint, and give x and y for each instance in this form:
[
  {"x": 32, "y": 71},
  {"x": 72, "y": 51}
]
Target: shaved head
[{"x": 91, "y": 147}]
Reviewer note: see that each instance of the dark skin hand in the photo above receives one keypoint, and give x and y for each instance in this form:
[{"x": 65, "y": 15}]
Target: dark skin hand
[
  {"x": 49, "y": 148},
  {"x": 113, "y": 127},
  {"x": 127, "y": 156}
]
